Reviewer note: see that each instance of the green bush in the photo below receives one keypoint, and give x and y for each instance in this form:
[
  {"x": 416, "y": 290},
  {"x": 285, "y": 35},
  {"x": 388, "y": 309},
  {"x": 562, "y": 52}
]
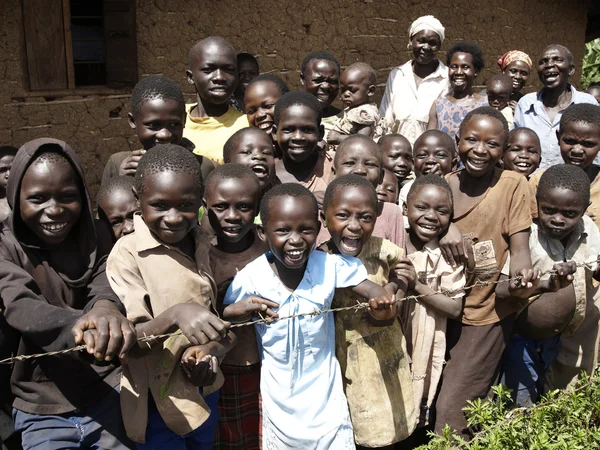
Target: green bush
[
  {"x": 590, "y": 71},
  {"x": 565, "y": 420}
]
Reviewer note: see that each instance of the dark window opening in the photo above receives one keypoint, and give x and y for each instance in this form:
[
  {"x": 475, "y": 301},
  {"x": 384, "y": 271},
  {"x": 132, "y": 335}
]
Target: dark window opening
[{"x": 89, "y": 46}]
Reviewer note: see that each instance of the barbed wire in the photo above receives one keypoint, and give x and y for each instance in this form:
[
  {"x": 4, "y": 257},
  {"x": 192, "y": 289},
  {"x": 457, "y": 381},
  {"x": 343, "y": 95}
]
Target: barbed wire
[{"x": 269, "y": 320}]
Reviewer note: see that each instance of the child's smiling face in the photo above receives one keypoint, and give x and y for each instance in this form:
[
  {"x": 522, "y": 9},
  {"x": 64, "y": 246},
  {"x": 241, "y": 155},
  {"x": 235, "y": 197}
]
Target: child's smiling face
[
  {"x": 213, "y": 72},
  {"x": 321, "y": 78},
  {"x": 397, "y": 156},
  {"x": 169, "y": 204},
  {"x": 523, "y": 154},
  {"x": 359, "y": 158},
  {"x": 387, "y": 191},
  {"x": 559, "y": 211},
  {"x": 355, "y": 89},
  {"x": 259, "y": 100},
  {"x": 50, "y": 200},
  {"x": 254, "y": 150},
  {"x": 579, "y": 143},
  {"x": 350, "y": 218},
  {"x": 118, "y": 208},
  {"x": 291, "y": 229},
  {"x": 428, "y": 211},
  {"x": 232, "y": 206},
  {"x": 298, "y": 133},
  {"x": 433, "y": 154},
  {"x": 158, "y": 121},
  {"x": 481, "y": 144}
]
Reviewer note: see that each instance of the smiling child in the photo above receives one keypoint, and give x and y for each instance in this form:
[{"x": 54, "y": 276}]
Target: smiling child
[
  {"x": 492, "y": 208},
  {"x": 397, "y": 156},
  {"x": 387, "y": 190},
  {"x": 360, "y": 115},
  {"x": 162, "y": 275},
  {"x": 261, "y": 96},
  {"x": 304, "y": 405},
  {"x": 524, "y": 152},
  {"x": 373, "y": 359},
  {"x": 232, "y": 199},
  {"x": 213, "y": 71}
]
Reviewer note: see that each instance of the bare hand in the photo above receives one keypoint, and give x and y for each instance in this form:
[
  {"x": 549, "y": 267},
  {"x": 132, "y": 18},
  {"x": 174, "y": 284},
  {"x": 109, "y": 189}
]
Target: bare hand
[
  {"x": 200, "y": 367},
  {"x": 198, "y": 324},
  {"x": 249, "y": 307},
  {"x": 563, "y": 275},
  {"x": 114, "y": 335},
  {"x": 453, "y": 247},
  {"x": 129, "y": 164},
  {"x": 382, "y": 308},
  {"x": 404, "y": 269},
  {"x": 524, "y": 282}
]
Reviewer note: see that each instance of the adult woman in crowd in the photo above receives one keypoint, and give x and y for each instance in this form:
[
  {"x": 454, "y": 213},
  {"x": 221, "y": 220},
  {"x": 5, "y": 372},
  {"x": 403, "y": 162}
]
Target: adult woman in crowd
[
  {"x": 517, "y": 65},
  {"x": 412, "y": 88}
]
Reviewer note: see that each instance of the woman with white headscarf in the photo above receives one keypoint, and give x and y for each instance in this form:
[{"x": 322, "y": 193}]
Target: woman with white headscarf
[{"x": 412, "y": 88}]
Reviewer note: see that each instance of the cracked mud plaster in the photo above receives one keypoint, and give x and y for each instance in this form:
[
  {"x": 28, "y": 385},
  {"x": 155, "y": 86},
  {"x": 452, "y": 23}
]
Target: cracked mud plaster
[{"x": 279, "y": 33}]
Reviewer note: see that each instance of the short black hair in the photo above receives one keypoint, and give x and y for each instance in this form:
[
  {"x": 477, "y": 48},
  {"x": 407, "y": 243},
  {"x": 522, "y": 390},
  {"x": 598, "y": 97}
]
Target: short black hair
[
  {"x": 167, "y": 158},
  {"x": 367, "y": 142},
  {"x": 289, "y": 190},
  {"x": 346, "y": 181},
  {"x": 234, "y": 140},
  {"x": 229, "y": 171},
  {"x": 50, "y": 152},
  {"x": 294, "y": 98},
  {"x": 8, "y": 150},
  {"x": 467, "y": 47},
  {"x": 430, "y": 180},
  {"x": 529, "y": 131},
  {"x": 388, "y": 137},
  {"x": 582, "y": 113},
  {"x": 245, "y": 56},
  {"x": 153, "y": 87},
  {"x": 489, "y": 112},
  {"x": 114, "y": 184},
  {"x": 568, "y": 52},
  {"x": 500, "y": 78},
  {"x": 268, "y": 77},
  {"x": 364, "y": 67},
  {"x": 207, "y": 41},
  {"x": 565, "y": 176},
  {"x": 316, "y": 55},
  {"x": 444, "y": 137}
]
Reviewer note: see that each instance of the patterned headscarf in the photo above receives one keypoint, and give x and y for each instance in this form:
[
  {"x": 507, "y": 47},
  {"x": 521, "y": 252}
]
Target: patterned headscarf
[
  {"x": 514, "y": 55},
  {"x": 427, "y": 23}
]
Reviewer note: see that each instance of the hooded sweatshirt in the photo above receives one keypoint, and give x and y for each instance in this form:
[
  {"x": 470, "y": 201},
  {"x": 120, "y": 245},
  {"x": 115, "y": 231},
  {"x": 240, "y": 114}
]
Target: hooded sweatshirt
[{"x": 42, "y": 302}]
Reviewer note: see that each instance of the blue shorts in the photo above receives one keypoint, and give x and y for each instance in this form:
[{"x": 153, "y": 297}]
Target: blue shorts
[
  {"x": 524, "y": 366},
  {"x": 99, "y": 426},
  {"x": 160, "y": 437}
]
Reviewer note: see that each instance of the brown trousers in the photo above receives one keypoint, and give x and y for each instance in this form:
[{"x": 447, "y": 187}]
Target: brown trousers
[{"x": 473, "y": 363}]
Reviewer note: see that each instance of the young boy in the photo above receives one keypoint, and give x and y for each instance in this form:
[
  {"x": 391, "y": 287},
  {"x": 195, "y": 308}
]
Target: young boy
[
  {"x": 232, "y": 196},
  {"x": 360, "y": 115},
  {"x": 253, "y": 148},
  {"x": 55, "y": 294},
  {"x": 158, "y": 117},
  {"x": 564, "y": 317},
  {"x": 387, "y": 190},
  {"x": 7, "y": 155},
  {"x": 304, "y": 405},
  {"x": 524, "y": 152},
  {"x": 397, "y": 156},
  {"x": 247, "y": 71},
  {"x": 429, "y": 210},
  {"x": 434, "y": 152},
  {"x": 579, "y": 142},
  {"x": 372, "y": 358},
  {"x": 499, "y": 89},
  {"x": 213, "y": 71},
  {"x": 360, "y": 155},
  {"x": 162, "y": 274},
  {"x": 117, "y": 205},
  {"x": 262, "y": 94},
  {"x": 298, "y": 130}
]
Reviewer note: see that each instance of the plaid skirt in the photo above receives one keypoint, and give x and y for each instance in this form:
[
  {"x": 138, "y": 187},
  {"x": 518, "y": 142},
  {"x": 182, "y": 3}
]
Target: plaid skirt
[{"x": 240, "y": 421}]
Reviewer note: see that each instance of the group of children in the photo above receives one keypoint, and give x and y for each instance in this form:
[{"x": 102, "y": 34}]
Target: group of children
[{"x": 453, "y": 265}]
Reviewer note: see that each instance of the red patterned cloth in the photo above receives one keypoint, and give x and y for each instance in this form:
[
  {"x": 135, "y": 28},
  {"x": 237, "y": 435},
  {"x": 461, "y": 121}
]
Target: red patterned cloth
[{"x": 240, "y": 421}]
